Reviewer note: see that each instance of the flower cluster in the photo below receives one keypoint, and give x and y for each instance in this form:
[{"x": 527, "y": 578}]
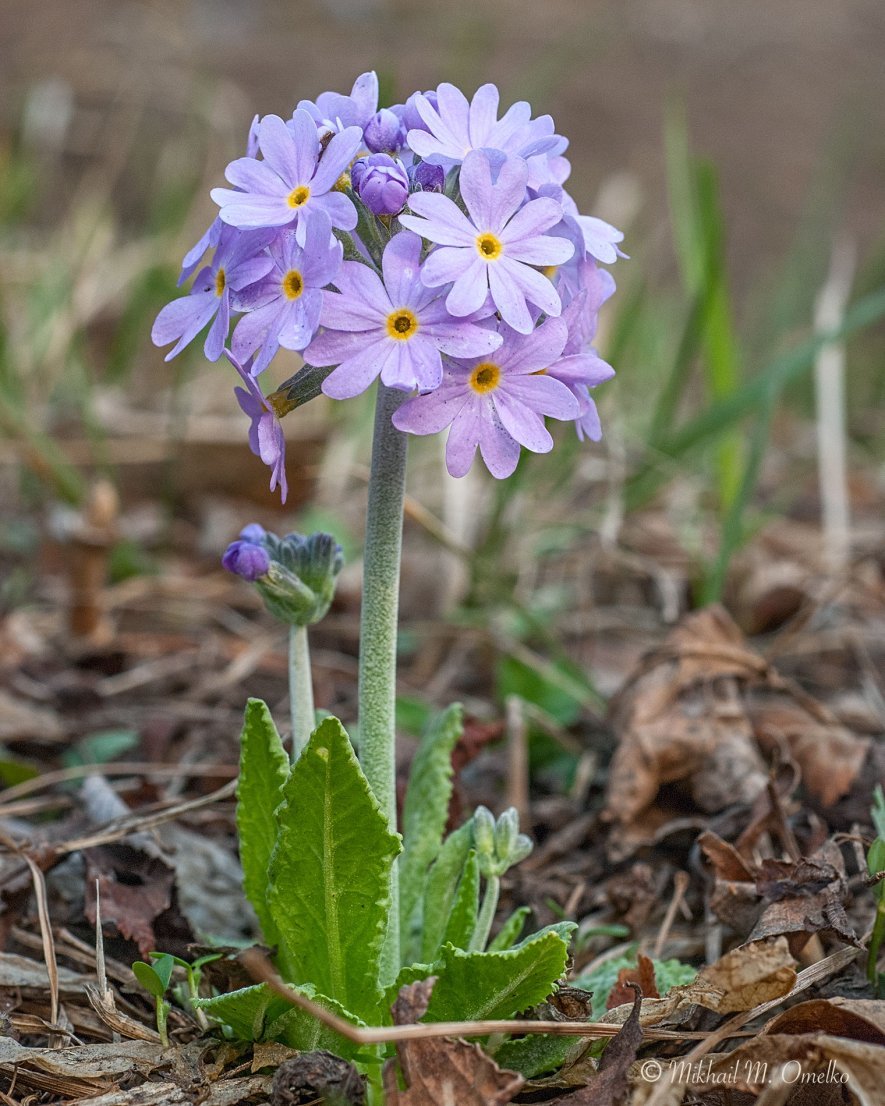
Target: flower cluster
[{"x": 431, "y": 245}]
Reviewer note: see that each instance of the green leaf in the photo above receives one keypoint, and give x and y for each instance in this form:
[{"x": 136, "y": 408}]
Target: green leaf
[
  {"x": 426, "y": 811},
  {"x": 411, "y": 973},
  {"x": 533, "y": 1056},
  {"x": 330, "y": 873},
  {"x": 264, "y": 768},
  {"x": 509, "y": 932},
  {"x": 154, "y": 977},
  {"x": 299, "y": 1029},
  {"x": 442, "y": 883},
  {"x": 247, "y": 1011},
  {"x": 472, "y": 986},
  {"x": 462, "y": 919}
]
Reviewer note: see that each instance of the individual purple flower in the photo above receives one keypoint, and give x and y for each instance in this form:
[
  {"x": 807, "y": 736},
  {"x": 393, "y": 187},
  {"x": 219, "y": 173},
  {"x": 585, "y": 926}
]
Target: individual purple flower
[
  {"x": 283, "y": 308},
  {"x": 496, "y": 403},
  {"x": 496, "y": 248},
  {"x": 382, "y": 183},
  {"x": 239, "y": 260},
  {"x": 409, "y": 113},
  {"x": 266, "y": 438},
  {"x": 601, "y": 239},
  {"x": 428, "y": 178},
  {"x": 195, "y": 254},
  {"x": 396, "y": 328},
  {"x": 334, "y": 111},
  {"x": 580, "y": 367},
  {"x": 453, "y": 127},
  {"x": 247, "y": 559},
  {"x": 384, "y": 132},
  {"x": 293, "y": 184}
]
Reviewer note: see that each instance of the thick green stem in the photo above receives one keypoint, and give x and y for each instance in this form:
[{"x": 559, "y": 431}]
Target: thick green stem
[
  {"x": 378, "y": 625},
  {"x": 300, "y": 690},
  {"x": 486, "y": 914}
]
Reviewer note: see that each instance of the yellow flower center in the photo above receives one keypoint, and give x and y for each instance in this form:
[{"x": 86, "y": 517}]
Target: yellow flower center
[
  {"x": 299, "y": 196},
  {"x": 490, "y": 248},
  {"x": 220, "y": 282},
  {"x": 549, "y": 271},
  {"x": 402, "y": 324},
  {"x": 485, "y": 378},
  {"x": 293, "y": 285},
  {"x": 343, "y": 182}
]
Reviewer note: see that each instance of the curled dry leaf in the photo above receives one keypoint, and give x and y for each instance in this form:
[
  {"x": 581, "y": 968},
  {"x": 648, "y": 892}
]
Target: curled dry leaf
[
  {"x": 611, "y": 1083},
  {"x": 443, "y": 1072},
  {"x": 642, "y": 976},
  {"x": 740, "y": 980},
  {"x": 707, "y": 713}
]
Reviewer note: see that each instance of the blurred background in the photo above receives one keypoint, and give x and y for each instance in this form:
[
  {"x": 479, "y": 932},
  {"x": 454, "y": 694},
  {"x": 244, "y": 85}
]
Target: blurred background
[{"x": 741, "y": 147}]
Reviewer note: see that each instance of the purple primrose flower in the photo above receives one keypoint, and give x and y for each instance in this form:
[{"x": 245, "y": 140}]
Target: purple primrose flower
[
  {"x": 384, "y": 132},
  {"x": 283, "y": 308},
  {"x": 239, "y": 261},
  {"x": 382, "y": 183},
  {"x": 497, "y": 248},
  {"x": 396, "y": 328},
  {"x": 247, "y": 559},
  {"x": 580, "y": 367},
  {"x": 496, "y": 403},
  {"x": 333, "y": 111},
  {"x": 454, "y": 127},
  {"x": 266, "y": 438},
  {"x": 293, "y": 184}
]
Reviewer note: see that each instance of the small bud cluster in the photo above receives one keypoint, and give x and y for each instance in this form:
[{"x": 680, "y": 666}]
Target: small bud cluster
[{"x": 499, "y": 845}]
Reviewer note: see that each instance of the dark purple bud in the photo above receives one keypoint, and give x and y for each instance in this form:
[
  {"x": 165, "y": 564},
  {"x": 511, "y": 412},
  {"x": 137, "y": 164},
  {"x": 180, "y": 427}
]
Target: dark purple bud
[
  {"x": 412, "y": 121},
  {"x": 429, "y": 178},
  {"x": 246, "y": 559},
  {"x": 384, "y": 132},
  {"x": 382, "y": 183}
]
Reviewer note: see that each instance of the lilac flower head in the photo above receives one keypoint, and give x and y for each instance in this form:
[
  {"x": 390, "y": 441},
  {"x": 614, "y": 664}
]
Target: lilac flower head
[
  {"x": 293, "y": 184},
  {"x": 428, "y": 178},
  {"x": 396, "y": 327},
  {"x": 246, "y": 559},
  {"x": 382, "y": 183},
  {"x": 384, "y": 132},
  {"x": 239, "y": 261},
  {"x": 283, "y": 308},
  {"x": 496, "y": 403},
  {"x": 339, "y": 111},
  {"x": 453, "y": 127},
  {"x": 266, "y": 438},
  {"x": 497, "y": 248}
]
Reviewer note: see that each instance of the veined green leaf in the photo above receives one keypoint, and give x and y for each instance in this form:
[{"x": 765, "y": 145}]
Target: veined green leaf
[
  {"x": 247, "y": 1011},
  {"x": 299, "y": 1029},
  {"x": 330, "y": 873},
  {"x": 509, "y": 932},
  {"x": 534, "y": 1055},
  {"x": 425, "y": 813},
  {"x": 264, "y": 768},
  {"x": 472, "y": 986},
  {"x": 442, "y": 883},
  {"x": 462, "y": 919}
]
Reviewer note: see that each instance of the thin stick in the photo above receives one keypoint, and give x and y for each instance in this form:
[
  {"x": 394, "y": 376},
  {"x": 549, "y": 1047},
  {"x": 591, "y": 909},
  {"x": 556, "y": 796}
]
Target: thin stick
[
  {"x": 517, "y": 759},
  {"x": 118, "y": 768},
  {"x": 680, "y": 886},
  {"x": 829, "y": 378},
  {"x": 259, "y": 967}
]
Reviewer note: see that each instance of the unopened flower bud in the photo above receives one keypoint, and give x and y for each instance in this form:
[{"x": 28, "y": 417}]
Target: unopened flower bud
[
  {"x": 429, "y": 178},
  {"x": 484, "y": 835},
  {"x": 412, "y": 121},
  {"x": 384, "y": 132},
  {"x": 382, "y": 183},
  {"x": 246, "y": 559}
]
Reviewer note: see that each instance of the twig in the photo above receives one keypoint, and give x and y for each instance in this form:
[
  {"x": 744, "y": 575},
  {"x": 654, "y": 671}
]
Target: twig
[
  {"x": 517, "y": 758},
  {"x": 260, "y": 968},
  {"x": 680, "y": 886}
]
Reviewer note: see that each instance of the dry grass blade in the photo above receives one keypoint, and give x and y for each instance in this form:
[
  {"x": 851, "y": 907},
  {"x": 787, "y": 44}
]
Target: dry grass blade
[
  {"x": 118, "y": 768},
  {"x": 261, "y": 970}
]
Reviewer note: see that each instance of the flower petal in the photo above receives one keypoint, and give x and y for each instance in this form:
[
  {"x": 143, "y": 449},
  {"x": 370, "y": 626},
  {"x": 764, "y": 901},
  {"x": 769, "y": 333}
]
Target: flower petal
[{"x": 469, "y": 290}]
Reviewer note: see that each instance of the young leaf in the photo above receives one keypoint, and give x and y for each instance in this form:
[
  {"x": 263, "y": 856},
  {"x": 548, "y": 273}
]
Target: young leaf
[
  {"x": 264, "y": 768},
  {"x": 148, "y": 978},
  {"x": 246, "y": 1011},
  {"x": 533, "y": 1056},
  {"x": 298, "y": 1029},
  {"x": 425, "y": 811},
  {"x": 477, "y": 985},
  {"x": 462, "y": 920},
  {"x": 330, "y": 873},
  {"x": 509, "y": 933},
  {"x": 442, "y": 882}
]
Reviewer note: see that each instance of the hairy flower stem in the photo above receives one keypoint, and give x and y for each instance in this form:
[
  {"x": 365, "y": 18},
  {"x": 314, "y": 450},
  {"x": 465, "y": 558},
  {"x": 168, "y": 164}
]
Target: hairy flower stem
[
  {"x": 378, "y": 625},
  {"x": 486, "y": 914},
  {"x": 300, "y": 690}
]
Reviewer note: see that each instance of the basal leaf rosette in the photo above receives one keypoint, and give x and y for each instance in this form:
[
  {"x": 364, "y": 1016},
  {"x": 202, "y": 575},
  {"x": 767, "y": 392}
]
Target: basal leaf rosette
[{"x": 430, "y": 245}]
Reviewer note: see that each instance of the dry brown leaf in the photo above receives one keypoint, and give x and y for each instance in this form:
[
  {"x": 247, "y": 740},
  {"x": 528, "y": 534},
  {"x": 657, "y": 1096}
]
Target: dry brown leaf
[
  {"x": 270, "y": 1054},
  {"x": 610, "y": 1084},
  {"x": 740, "y": 980},
  {"x": 443, "y": 1072},
  {"x": 317, "y": 1077},
  {"x": 860, "y": 1019},
  {"x": 643, "y": 976}
]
